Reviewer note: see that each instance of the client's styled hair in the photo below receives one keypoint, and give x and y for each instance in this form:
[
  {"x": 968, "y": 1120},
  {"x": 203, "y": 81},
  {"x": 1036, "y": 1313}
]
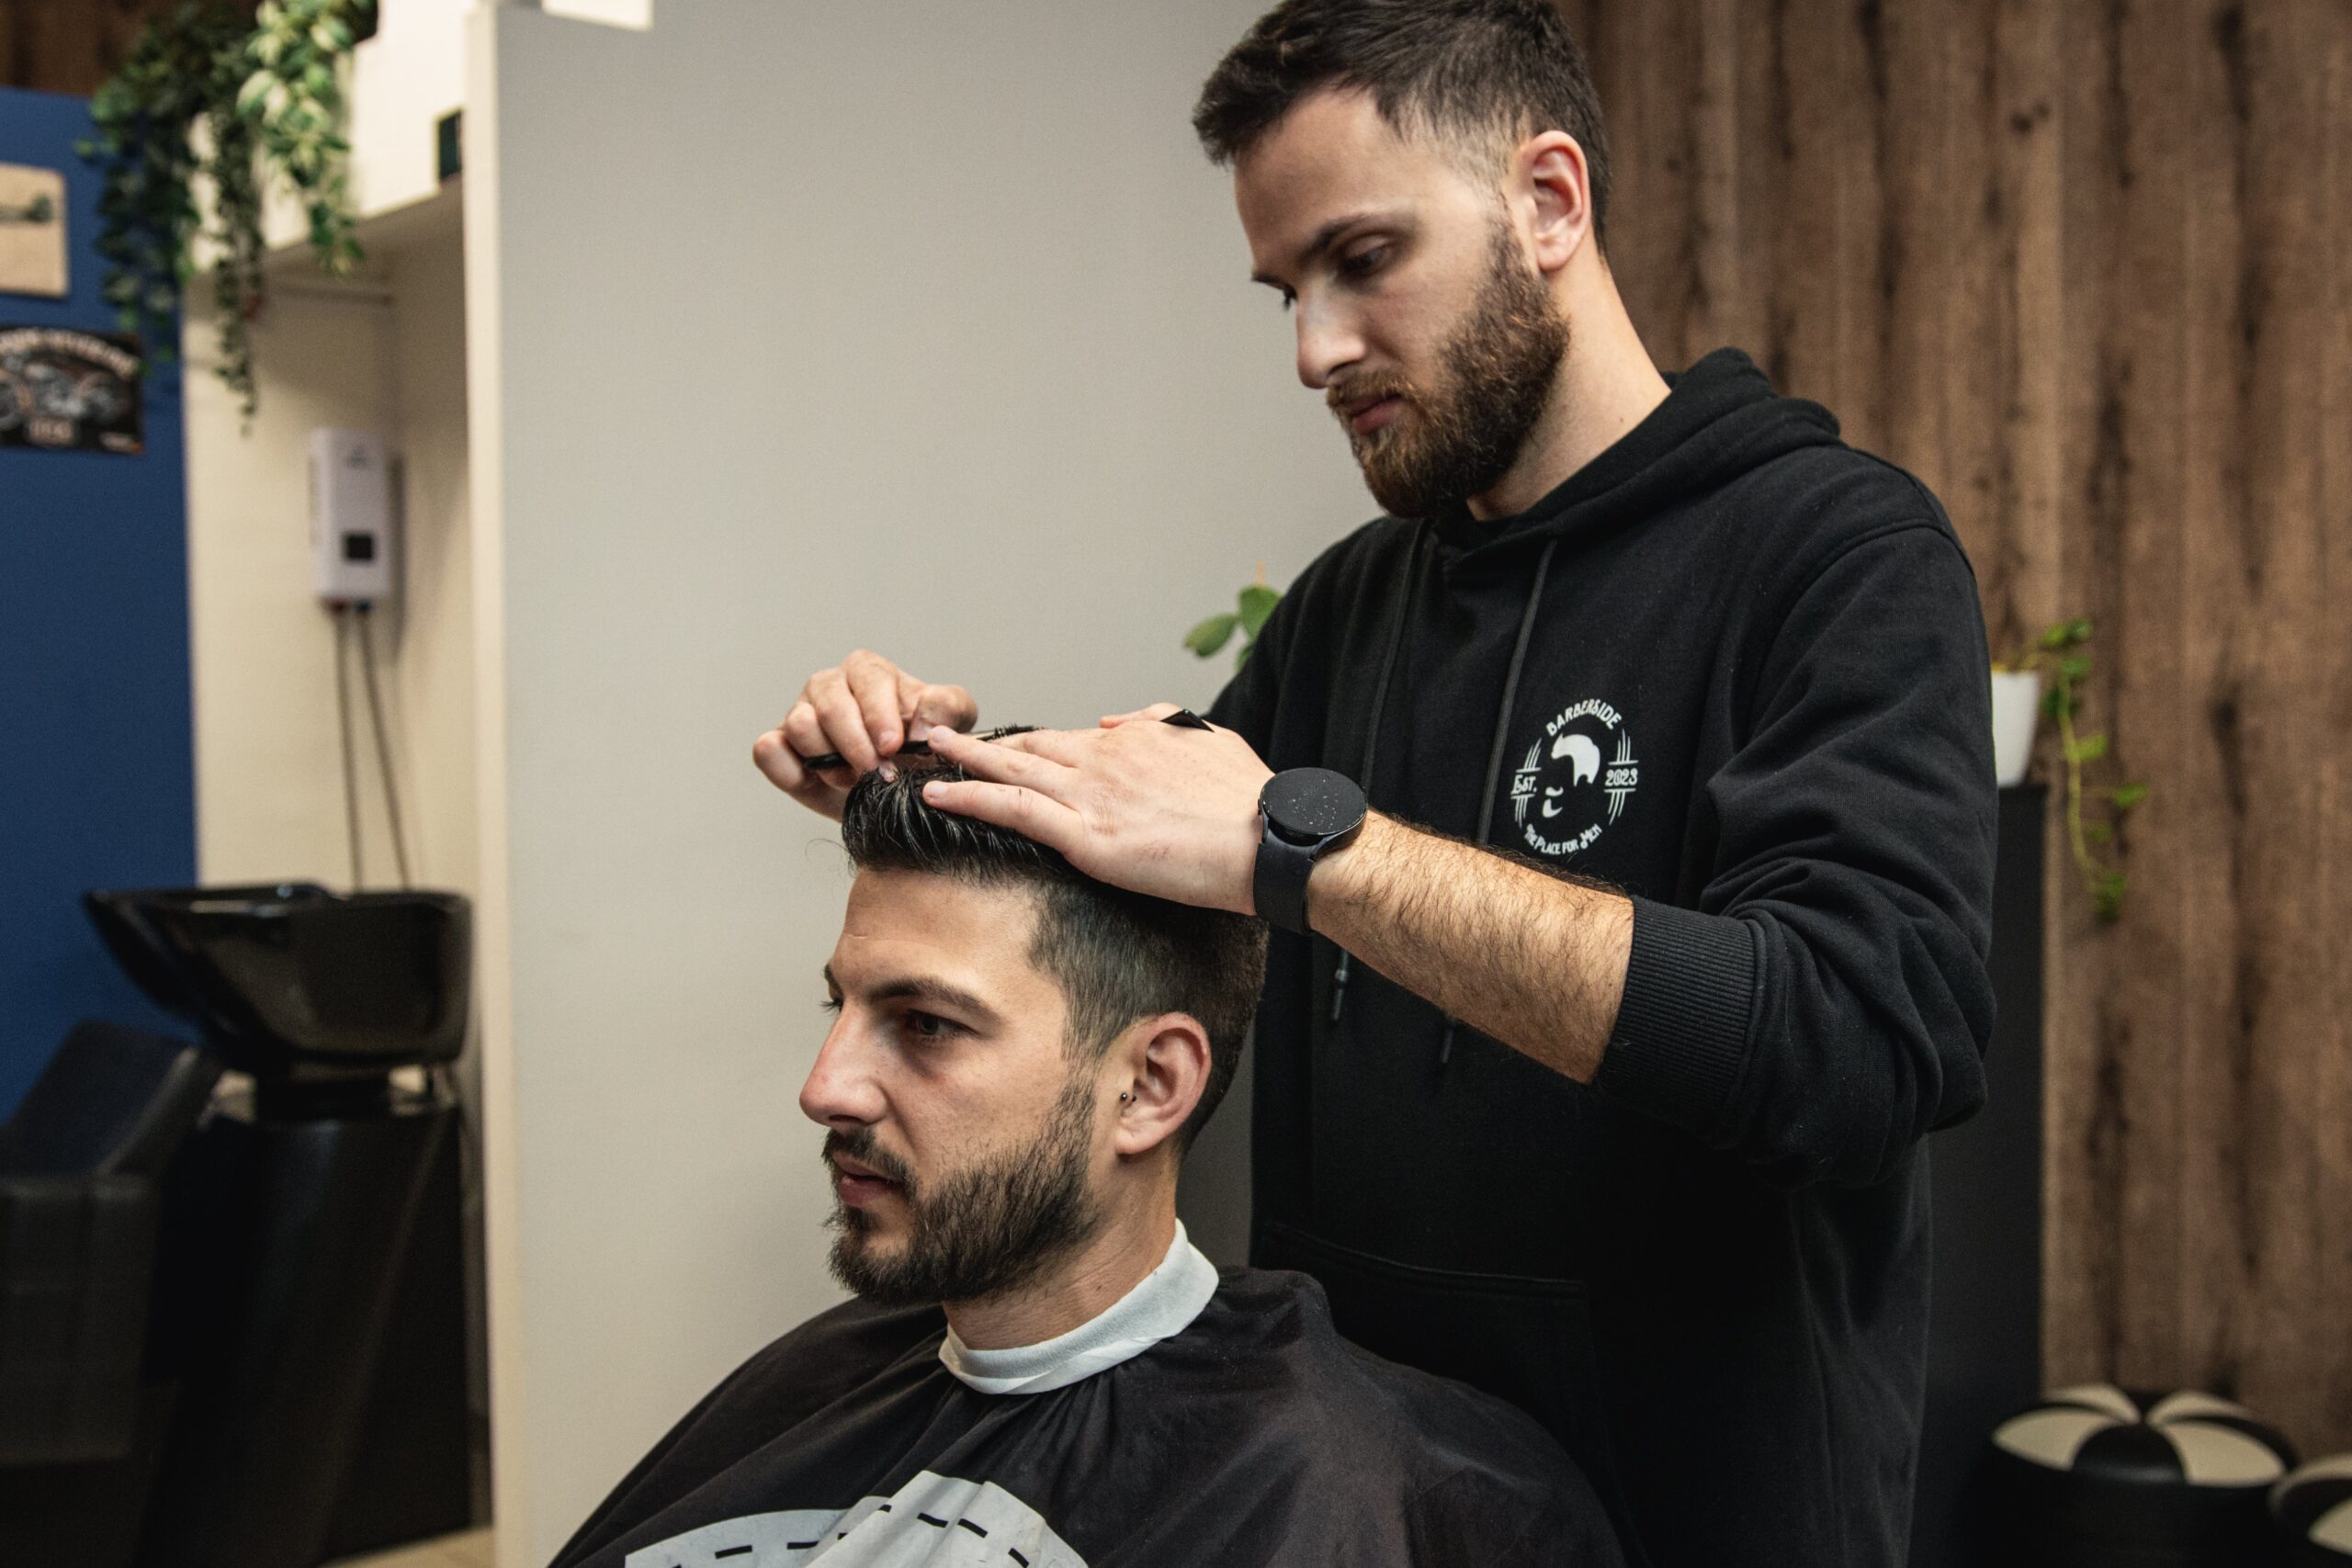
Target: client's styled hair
[{"x": 1118, "y": 957}]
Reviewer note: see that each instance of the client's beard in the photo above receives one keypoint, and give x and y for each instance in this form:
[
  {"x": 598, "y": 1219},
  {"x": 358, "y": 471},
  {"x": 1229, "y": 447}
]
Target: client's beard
[
  {"x": 1467, "y": 431},
  {"x": 981, "y": 1230}
]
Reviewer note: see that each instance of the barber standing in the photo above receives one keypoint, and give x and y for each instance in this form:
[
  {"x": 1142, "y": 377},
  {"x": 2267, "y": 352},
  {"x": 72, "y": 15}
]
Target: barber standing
[{"x": 1623, "y": 801}]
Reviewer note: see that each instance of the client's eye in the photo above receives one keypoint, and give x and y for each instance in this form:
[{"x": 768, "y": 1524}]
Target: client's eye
[
  {"x": 927, "y": 1025},
  {"x": 830, "y": 1004}
]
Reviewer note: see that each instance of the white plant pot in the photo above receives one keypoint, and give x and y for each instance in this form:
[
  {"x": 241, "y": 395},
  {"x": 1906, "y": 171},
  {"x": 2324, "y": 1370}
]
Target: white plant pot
[{"x": 2017, "y": 714}]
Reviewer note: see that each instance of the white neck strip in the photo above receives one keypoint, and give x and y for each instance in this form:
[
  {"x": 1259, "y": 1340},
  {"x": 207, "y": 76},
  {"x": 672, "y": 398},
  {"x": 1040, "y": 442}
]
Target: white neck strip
[{"x": 1163, "y": 1304}]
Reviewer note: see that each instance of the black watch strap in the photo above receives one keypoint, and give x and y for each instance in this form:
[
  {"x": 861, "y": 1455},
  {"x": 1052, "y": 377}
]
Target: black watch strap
[
  {"x": 1279, "y": 887},
  {"x": 1305, "y": 812}
]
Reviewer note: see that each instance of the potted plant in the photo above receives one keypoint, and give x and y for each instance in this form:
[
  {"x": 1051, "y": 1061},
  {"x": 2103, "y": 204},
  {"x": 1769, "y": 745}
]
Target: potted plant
[{"x": 2094, "y": 812}]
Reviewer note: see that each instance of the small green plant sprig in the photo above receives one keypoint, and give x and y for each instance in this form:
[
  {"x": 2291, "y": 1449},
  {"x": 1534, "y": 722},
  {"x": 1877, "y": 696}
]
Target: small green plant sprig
[
  {"x": 1253, "y": 606},
  {"x": 2062, "y": 654}
]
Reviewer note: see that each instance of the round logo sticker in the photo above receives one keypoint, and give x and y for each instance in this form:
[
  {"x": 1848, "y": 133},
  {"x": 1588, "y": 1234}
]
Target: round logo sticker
[{"x": 1575, "y": 780}]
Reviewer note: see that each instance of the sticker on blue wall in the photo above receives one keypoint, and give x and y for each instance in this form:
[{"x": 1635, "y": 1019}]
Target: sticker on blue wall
[
  {"x": 70, "y": 391},
  {"x": 32, "y": 231}
]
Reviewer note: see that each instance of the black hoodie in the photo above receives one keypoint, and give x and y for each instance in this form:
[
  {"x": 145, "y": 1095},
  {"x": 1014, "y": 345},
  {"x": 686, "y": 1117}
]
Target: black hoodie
[{"x": 1737, "y": 670}]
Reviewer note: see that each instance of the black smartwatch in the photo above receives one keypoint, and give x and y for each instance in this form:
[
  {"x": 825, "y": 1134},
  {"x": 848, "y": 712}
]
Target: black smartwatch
[{"x": 1306, "y": 811}]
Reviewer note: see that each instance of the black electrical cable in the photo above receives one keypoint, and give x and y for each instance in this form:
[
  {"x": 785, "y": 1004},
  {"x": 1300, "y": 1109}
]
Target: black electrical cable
[
  {"x": 383, "y": 746},
  {"x": 342, "y": 721}
]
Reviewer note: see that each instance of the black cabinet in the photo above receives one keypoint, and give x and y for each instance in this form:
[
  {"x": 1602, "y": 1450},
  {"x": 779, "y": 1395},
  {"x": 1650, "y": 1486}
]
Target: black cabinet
[{"x": 1985, "y": 1320}]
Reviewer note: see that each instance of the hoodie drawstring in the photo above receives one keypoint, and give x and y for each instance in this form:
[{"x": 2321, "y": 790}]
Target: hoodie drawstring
[
  {"x": 1371, "y": 736},
  {"x": 1495, "y": 752},
  {"x": 1503, "y": 733}
]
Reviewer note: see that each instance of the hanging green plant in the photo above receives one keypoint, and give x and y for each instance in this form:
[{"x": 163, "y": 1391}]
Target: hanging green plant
[
  {"x": 209, "y": 94},
  {"x": 183, "y": 70}
]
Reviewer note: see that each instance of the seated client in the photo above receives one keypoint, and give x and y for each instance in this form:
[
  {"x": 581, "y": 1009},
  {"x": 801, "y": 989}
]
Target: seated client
[{"x": 1040, "y": 1371}]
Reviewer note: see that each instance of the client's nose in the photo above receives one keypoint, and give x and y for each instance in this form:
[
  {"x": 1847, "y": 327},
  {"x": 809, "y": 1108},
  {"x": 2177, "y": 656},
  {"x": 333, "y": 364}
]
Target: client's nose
[{"x": 840, "y": 1092}]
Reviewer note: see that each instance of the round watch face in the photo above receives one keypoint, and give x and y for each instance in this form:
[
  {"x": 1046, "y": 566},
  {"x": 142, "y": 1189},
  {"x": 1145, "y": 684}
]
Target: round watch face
[{"x": 1308, "y": 804}]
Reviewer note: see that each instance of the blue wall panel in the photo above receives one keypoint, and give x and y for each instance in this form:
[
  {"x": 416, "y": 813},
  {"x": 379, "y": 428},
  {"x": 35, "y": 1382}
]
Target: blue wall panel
[{"x": 97, "y": 785}]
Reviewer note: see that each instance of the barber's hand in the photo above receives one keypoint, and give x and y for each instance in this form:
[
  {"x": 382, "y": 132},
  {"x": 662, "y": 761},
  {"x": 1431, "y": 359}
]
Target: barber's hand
[
  {"x": 1158, "y": 808},
  {"x": 864, "y": 709}
]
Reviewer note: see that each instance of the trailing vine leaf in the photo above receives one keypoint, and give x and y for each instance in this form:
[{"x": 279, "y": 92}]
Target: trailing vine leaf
[
  {"x": 2066, "y": 634},
  {"x": 2107, "y": 894},
  {"x": 237, "y": 261}
]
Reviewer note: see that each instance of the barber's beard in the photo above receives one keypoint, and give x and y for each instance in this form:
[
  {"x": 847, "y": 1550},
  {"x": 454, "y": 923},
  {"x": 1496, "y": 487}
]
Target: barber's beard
[
  {"x": 1458, "y": 438},
  {"x": 979, "y": 1231}
]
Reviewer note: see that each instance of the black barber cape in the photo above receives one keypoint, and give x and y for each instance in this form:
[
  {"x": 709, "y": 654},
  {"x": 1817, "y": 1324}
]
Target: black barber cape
[
  {"x": 1252, "y": 1434},
  {"x": 1735, "y": 669}
]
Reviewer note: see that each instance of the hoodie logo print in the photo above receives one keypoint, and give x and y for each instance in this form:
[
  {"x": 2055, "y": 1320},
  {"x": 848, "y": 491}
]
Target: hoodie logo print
[{"x": 1576, "y": 779}]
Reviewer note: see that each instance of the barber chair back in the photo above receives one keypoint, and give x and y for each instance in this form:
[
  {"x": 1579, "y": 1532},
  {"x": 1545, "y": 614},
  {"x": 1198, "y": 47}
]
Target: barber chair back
[
  {"x": 112, "y": 1101},
  {"x": 81, "y": 1162}
]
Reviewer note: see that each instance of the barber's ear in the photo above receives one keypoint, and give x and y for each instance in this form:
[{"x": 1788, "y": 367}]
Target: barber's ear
[
  {"x": 1162, "y": 1065},
  {"x": 1553, "y": 188}
]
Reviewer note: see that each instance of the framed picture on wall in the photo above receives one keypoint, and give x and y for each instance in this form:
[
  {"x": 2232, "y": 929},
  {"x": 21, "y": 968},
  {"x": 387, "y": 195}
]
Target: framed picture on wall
[
  {"x": 32, "y": 231},
  {"x": 68, "y": 390}
]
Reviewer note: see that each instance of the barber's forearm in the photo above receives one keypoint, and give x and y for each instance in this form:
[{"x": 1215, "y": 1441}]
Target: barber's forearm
[{"x": 1535, "y": 961}]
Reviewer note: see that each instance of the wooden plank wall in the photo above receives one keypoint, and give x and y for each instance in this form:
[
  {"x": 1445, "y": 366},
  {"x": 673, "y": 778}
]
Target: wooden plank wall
[
  {"x": 71, "y": 46},
  {"x": 2083, "y": 266}
]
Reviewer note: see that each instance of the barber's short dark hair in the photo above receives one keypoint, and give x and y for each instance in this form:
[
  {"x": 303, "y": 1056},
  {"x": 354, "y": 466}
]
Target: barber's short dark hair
[
  {"x": 1118, "y": 957},
  {"x": 1484, "y": 74}
]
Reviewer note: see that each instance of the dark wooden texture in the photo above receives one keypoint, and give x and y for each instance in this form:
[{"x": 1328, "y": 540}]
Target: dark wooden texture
[
  {"x": 2082, "y": 265},
  {"x": 71, "y": 46}
]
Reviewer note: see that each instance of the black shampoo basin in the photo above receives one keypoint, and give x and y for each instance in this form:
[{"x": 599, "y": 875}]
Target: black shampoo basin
[{"x": 290, "y": 981}]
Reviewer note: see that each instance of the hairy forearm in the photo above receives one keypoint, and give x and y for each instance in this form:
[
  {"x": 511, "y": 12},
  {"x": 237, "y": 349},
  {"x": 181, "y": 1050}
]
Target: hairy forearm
[{"x": 1531, "y": 959}]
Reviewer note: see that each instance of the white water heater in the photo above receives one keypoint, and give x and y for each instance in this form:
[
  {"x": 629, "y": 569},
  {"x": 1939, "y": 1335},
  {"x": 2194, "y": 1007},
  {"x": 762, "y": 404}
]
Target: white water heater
[{"x": 351, "y": 515}]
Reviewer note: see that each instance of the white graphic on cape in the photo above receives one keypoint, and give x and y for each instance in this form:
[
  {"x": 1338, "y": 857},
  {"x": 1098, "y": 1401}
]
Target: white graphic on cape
[
  {"x": 934, "y": 1521},
  {"x": 1550, "y": 793}
]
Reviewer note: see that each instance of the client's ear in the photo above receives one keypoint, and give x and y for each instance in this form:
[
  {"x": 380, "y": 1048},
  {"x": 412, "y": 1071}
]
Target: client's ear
[{"x": 1161, "y": 1066}]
